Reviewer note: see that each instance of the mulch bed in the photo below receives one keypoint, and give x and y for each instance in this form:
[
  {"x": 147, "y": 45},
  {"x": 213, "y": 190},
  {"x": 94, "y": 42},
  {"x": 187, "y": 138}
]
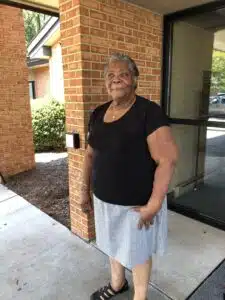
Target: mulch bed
[{"x": 46, "y": 187}]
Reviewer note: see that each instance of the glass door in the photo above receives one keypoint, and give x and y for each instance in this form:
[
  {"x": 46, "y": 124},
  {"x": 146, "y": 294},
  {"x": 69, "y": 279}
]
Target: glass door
[{"x": 197, "y": 113}]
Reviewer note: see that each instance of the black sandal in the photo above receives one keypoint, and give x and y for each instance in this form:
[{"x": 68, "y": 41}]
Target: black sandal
[{"x": 107, "y": 292}]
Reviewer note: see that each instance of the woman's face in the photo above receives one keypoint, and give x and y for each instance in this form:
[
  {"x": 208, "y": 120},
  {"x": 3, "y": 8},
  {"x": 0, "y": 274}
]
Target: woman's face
[{"x": 119, "y": 81}]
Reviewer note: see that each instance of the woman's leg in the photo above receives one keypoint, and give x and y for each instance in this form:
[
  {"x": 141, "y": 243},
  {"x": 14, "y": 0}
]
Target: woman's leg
[
  {"x": 117, "y": 275},
  {"x": 141, "y": 277}
]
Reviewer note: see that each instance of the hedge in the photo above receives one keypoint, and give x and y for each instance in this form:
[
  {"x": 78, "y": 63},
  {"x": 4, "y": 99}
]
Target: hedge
[{"x": 48, "y": 123}]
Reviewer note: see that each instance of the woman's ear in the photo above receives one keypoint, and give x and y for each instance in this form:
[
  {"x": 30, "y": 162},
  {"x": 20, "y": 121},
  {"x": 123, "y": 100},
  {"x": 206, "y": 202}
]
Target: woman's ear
[{"x": 135, "y": 82}]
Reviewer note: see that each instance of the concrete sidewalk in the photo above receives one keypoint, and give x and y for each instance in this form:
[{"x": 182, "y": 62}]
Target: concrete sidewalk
[{"x": 41, "y": 259}]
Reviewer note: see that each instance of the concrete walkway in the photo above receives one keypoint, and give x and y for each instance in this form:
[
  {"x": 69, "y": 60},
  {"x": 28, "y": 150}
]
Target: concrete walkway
[{"x": 41, "y": 259}]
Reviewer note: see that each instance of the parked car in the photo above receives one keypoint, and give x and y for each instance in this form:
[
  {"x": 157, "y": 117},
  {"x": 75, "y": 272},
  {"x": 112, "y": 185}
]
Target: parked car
[
  {"x": 217, "y": 106},
  {"x": 218, "y": 99}
]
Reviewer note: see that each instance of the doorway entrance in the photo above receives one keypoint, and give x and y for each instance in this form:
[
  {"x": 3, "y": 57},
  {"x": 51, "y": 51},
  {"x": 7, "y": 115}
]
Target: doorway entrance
[{"x": 194, "y": 74}]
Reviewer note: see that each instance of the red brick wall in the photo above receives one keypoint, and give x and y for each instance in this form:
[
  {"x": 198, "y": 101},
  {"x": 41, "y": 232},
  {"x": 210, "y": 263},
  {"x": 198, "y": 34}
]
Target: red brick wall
[
  {"x": 42, "y": 81},
  {"x": 16, "y": 139},
  {"x": 91, "y": 30}
]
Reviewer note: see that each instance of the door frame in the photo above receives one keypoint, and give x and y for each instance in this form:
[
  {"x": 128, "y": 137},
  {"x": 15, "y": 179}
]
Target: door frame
[{"x": 169, "y": 21}]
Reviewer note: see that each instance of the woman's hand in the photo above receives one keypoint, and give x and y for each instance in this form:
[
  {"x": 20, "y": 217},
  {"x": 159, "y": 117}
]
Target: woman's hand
[
  {"x": 86, "y": 202},
  {"x": 147, "y": 214}
]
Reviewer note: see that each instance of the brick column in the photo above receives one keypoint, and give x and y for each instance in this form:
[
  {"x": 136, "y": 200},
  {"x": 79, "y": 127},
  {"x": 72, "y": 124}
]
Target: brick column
[
  {"x": 16, "y": 137},
  {"x": 91, "y": 30},
  {"x": 77, "y": 105}
]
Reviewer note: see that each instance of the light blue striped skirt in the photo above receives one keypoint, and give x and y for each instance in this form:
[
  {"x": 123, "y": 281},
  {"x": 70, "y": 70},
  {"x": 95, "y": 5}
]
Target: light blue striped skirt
[{"x": 118, "y": 237}]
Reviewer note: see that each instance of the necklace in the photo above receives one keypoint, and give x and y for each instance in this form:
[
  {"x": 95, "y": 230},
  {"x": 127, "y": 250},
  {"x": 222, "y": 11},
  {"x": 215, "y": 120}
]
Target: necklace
[{"x": 127, "y": 105}]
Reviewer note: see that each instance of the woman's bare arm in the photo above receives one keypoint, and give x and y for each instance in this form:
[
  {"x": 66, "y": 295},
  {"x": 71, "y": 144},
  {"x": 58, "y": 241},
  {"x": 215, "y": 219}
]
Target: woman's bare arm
[
  {"x": 86, "y": 202},
  {"x": 87, "y": 168},
  {"x": 164, "y": 151}
]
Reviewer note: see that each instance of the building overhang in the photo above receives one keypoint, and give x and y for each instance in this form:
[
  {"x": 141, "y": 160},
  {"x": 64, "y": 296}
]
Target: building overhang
[
  {"x": 159, "y": 6},
  {"x": 37, "y": 63},
  {"x": 50, "y": 7},
  {"x": 40, "y": 46},
  {"x": 165, "y": 7}
]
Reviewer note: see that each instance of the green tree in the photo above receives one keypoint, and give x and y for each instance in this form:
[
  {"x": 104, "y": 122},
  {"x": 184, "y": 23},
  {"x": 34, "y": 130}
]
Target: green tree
[
  {"x": 33, "y": 23},
  {"x": 218, "y": 72}
]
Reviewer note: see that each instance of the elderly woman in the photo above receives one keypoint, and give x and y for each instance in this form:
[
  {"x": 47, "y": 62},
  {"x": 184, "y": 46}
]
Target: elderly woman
[{"x": 129, "y": 163}]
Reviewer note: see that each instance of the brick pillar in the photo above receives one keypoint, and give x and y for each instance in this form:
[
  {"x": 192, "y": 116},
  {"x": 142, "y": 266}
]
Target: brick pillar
[
  {"x": 16, "y": 137},
  {"x": 90, "y": 31},
  {"x": 77, "y": 103}
]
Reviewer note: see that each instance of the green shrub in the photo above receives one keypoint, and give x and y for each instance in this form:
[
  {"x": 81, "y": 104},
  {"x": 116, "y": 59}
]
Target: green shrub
[{"x": 48, "y": 123}]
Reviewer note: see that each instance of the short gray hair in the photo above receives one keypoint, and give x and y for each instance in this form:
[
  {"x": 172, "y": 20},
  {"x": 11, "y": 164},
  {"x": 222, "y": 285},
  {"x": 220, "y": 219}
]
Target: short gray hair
[{"x": 124, "y": 58}]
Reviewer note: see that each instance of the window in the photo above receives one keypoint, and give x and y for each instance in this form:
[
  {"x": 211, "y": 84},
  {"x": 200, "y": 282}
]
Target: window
[{"x": 32, "y": 90}]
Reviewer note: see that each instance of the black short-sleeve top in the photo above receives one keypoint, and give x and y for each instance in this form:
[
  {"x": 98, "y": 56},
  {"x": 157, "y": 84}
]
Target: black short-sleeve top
[{"x": 123, "y": 169}]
